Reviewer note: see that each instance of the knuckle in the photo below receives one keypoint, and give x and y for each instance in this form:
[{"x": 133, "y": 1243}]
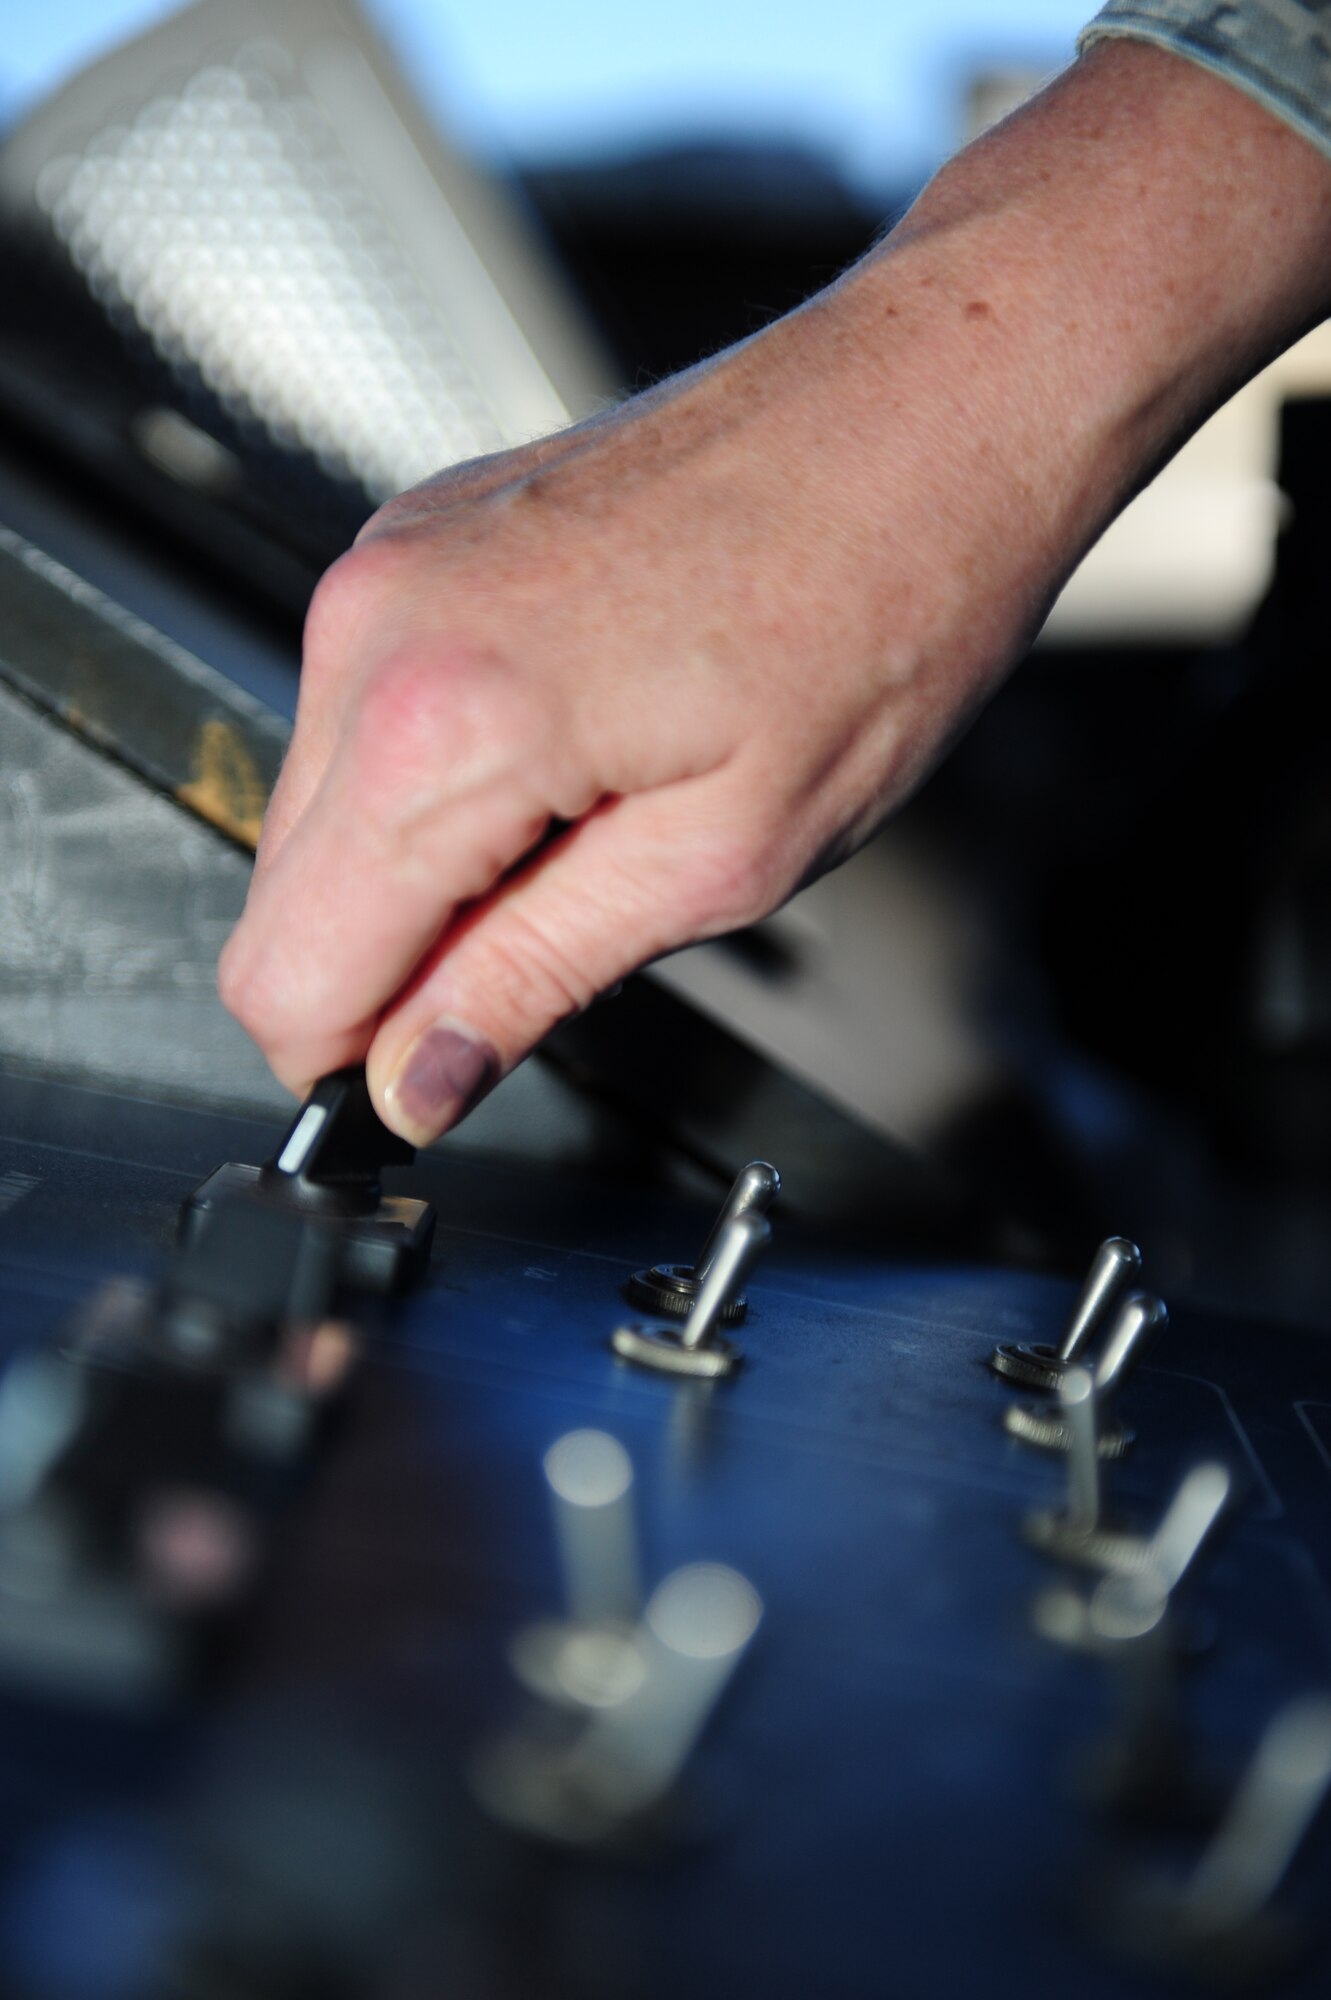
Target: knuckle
[
  {"x": 262, "y": 1008},
  {"x": 239, "y": 989},
  {"x": 255, "y": 989},
  {"x": 403, "y": 713},
  {"x": 446, "y": 709},
  {"x": 346, "y": 597},
  {"x": 732, "y": 882},
  {"x": 410, "y": 727},
  {"x": 329, "y": 606}
]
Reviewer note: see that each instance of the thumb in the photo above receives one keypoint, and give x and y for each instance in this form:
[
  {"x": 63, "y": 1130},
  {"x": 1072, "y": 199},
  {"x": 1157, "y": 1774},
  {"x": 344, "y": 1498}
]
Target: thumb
[{"x": 636, "y": 878}]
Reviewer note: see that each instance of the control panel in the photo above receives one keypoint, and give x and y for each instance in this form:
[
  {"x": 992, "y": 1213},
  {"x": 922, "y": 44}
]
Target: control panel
[{"x": 449, "y": 1577}]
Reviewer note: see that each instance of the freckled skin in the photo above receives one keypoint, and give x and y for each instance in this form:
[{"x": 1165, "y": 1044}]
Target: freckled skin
[{"x": 709, "y": 640}]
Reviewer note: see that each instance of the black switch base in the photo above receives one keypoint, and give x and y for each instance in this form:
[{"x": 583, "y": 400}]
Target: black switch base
[{"x": 385, "y": 1252}]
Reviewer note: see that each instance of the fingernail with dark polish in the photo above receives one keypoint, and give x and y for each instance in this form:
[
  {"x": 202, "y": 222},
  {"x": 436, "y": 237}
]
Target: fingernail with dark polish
[{"x": 442, "y": 1077}]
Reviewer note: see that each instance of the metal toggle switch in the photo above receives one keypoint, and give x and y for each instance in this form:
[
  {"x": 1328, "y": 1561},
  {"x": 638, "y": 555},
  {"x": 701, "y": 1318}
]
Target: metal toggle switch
[
  {"x": 699, "y": 1623},
  {"x": 670, "y": 1291},
  {"x": 694, "y": 1346},
  {"x": 1220, "y": 1922},
  {"x": 327, "y": 1168},
  {"x": 1079, "y": 1531},
  {"x": 1071, "y": 1529},
  {"x": 1138, "y": 1320},
  {"x": 1038, "y": 1365},
  {"x": 1134, "y": 1599},
  {"x": 1143, "y": 1771},
  {"x": 617, "y": 1778},
  {"x": 587, "y": 1658}
]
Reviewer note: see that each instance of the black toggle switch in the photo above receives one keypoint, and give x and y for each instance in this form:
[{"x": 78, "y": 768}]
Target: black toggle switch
[
  {"x": 330, "y": 1159},
  {"x": 328, "y": 1166}
]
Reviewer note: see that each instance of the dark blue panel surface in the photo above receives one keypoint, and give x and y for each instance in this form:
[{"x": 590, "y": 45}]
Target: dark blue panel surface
[{"x": 892, "y": 1799}]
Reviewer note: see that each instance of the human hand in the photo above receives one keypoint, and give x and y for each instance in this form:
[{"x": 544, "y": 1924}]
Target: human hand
[
  {"x": 655, "y": 635},
  {"x": 570, "y": 708}
]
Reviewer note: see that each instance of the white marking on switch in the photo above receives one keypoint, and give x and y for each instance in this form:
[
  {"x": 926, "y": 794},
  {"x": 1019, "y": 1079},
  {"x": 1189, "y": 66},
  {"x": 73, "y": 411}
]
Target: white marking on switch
[{"x": 308, "y": 1127}]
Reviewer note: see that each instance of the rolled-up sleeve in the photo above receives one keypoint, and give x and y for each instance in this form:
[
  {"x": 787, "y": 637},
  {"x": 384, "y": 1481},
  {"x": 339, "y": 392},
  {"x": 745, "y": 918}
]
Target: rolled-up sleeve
[{"x": 1279, "y": 51}]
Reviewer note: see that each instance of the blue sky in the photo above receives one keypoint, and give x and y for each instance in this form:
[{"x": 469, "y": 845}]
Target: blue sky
[{"x": 875, "y": 82}]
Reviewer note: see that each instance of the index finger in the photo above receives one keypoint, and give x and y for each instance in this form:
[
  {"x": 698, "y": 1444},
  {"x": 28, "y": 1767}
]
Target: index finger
[{"x": 360, "y": 888}]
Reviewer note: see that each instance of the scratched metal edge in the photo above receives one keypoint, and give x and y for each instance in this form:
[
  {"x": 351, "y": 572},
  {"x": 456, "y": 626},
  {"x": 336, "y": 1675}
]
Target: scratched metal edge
[{"x": 135, "y": 695}]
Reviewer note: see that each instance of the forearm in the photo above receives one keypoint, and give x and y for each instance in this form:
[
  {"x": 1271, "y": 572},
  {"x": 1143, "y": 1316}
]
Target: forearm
[
  {"x": 1077, "y": 291},
  {"x": 1278, "y": 51}
]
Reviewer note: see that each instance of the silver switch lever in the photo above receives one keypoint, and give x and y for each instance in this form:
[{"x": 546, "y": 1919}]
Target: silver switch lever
[
  {"x": 1137, "y": 1596},
  {"x": 671, "y": 1291},
  {"x": 590, "y": 1477},
  {"x": 1074, "y": 1527},
  {"x": 1273, "y": 1808},
  {"x": 1081, "y": 1411},
  {"x": 1138, "y": 1320},
  {"x": 585, "y": 1658},
  {"x": 731, "y": 1256},
  {"x": 1133, "y": 1600},
  {"x": 1037, "y": 1364},
  {"x": 753, "y": 1191},
  {"x": 1136, "y": 1324},
  {"x": 698, "y": 1626},
  {"x": 1187, "y": 1525},
  {"x": 695, "y": 1346},
  {"x": 613, "y": 1779},
  {"x": 1221, "y": 1920}
]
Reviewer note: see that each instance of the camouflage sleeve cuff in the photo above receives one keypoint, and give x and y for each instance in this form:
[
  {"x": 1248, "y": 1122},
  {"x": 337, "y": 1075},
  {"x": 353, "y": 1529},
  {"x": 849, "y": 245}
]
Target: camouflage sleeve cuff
[{"x": 1279, "y": 51}]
